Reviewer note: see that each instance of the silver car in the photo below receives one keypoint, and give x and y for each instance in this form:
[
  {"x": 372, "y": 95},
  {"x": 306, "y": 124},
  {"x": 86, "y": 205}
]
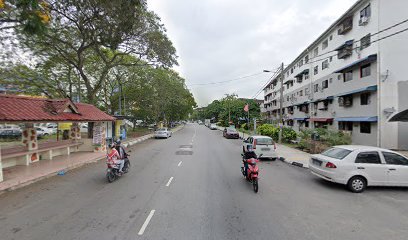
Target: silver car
[
  {"x": 261, "y": 145},
  {"x": 162, "y": 133}
]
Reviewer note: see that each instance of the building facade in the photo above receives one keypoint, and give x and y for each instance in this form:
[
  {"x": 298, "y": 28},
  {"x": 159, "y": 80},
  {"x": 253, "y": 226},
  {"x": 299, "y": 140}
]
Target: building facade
[{"x": 352, "y": 78}]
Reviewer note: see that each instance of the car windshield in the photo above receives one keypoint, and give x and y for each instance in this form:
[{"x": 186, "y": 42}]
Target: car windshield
[
  {"x": 162, "y": 129},
  {"x": 231, "y": 130},
  {"x": 337, "y": 153},
  {"x": 264, "y": 141}
]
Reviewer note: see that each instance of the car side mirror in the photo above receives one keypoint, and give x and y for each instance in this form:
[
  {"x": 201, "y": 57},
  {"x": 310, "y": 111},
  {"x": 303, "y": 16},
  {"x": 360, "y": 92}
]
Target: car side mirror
[{"x": 260, "y": 155}]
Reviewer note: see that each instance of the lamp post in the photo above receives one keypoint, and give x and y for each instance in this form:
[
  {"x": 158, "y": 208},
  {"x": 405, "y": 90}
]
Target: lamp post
[{"x": 280, "y": 102}]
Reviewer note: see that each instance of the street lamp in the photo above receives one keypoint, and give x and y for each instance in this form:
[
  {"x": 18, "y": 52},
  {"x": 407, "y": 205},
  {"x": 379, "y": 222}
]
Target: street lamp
[{"x": 280, "y": 102}]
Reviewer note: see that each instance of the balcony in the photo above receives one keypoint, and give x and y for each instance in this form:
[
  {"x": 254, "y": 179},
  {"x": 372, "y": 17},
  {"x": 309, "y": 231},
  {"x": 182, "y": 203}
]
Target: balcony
[{"x": 345, "y": 26}]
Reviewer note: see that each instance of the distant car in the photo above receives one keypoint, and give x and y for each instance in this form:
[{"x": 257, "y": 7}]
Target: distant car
[
  {"x": 230, "y": 133},
  {"x": 213, "y": 126},
  {"x": 162, "y": 133},
  {"x": 53, "y": 127},
  {"x": 261, "y": 145},
  {"x": 83, "y": 128},
  {"x": 43, "y": 131},
  {"x": 10, "y": 133},
  {"x": 360, "y": 166},
  {"x": 151, "y": 126},
  {"x": 200, "y": 122}
]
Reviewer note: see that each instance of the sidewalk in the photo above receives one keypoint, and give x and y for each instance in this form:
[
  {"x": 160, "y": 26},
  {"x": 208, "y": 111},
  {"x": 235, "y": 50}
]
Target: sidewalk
[
  {"x": 20, "y": 176},
  {"x": 293, "y": 156}
]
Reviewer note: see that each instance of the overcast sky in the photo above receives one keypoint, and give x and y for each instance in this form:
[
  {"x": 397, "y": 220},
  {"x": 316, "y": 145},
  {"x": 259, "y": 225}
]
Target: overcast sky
[{"x": 220, "y": 40}]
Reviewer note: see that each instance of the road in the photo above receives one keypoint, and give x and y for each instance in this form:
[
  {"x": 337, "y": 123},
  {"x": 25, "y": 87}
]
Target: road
[{"x": 190, "y": 187}]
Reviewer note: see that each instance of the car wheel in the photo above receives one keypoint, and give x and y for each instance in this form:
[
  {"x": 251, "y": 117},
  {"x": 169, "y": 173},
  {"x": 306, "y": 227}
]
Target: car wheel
[{"x": 357, "y": 184}]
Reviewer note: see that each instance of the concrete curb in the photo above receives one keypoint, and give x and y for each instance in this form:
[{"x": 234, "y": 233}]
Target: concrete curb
[
  {"x": 293, "y": 163},
  {"x": 51, "y": 174}
]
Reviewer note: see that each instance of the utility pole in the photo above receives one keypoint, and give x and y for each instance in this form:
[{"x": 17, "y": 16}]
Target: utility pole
[{"x": 281, "y": 106}]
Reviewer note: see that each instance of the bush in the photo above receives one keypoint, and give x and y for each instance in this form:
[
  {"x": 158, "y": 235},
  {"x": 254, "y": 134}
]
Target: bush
[
  {"x": 269, "y": 130},
  {"x": 288, "y": 134}
]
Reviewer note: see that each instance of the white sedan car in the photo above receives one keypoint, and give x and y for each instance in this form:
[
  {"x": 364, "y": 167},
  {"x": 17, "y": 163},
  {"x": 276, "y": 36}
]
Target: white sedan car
[
  {"x": 261, "y": 145},
  {"x": 360, "y": 166},
  {"x": 162, "y": 133}
]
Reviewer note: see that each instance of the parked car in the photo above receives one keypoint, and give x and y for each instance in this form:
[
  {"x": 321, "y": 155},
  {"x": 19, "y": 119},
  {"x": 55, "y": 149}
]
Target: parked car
[
  {"x": 10, "y": 133},
  {"x": 261, "y": 145},
  {"x": 83, "y": 128},
  {"x": 53, "y": 127},
  {"x": 213, "y": 126},
  {"x": 43, "y": 131},
  {"x": 360, "y": 166},
  {"x": 230, "y": 133},
  {"x": 200, "y": 122},
  {"x": 162, "y": 133},
  {"x": 151, "y": 126}
]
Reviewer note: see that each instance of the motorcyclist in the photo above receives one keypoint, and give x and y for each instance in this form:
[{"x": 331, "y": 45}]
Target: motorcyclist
[
  {"x": 249, "y": 153},
  {"x": 121, "y": 150},
  {"x": 114, "y": 157}
]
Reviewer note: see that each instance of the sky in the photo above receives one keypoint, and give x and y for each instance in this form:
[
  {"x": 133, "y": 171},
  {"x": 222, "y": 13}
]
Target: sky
[{"x": 223, "y": 40}]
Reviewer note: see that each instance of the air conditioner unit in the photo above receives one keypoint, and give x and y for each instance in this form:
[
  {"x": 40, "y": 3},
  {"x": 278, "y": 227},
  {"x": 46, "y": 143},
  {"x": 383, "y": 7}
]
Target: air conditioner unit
[{"x": 363, "y": 21}]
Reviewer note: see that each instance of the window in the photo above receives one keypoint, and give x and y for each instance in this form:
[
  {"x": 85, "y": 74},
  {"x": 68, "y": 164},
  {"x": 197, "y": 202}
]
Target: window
[
  {"x": 365, "y": 99},
  {"x": 346, "y": 126},
  {"x": 316, "y": 52},
  {"x": 291, "y": 71},
  {"x": 394, "y": 159},
  {"x": 325, "y": 44},
  {"x": 316, "y": 87},
  {"x": 325, "y": 84},
  {"x": 368, "y": 157},
  {"x": 316, "y": 70},
  {"x": 365, "y": 127},
  {"x": 325, "y": 64},
  {"x": 287, "y": 98},
  {"x": 330, "y": 80},
  {"x": 306, "y": 76},
  {"x": 287, "y": 73},
  {"x": 300, "y": 63},
  {"x": 365, "y": 70},
  {"x": 331, "y": 37},
  {"x": 345, "y": 26},
  {"x": 306, "y": 59},
  {"x": 301, "y": 93},
  {"x": 337, "y": 153},
  {"x": 331, "y": 58},
  {"x": 348, "y": 76},
  {"x": 366, "y": 12},
  {"x": 306, "y": 91},
  {"x": 339, "y": 77},
  {"x": 365, "y": 41},
  {"x": 346, "y": 101}
]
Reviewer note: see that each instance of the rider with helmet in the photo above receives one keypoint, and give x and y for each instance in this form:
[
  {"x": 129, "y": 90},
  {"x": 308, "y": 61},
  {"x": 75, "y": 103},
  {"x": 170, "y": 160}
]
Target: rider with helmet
[
  {"x": 249, "y": 153},
  {"x": 121, "y": 149},
  {"x": 115, "y": 157}
]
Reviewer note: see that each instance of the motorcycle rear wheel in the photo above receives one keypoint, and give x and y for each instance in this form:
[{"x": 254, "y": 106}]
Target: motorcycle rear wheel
[
  {"x": 255, "y": 185},
  {"x": 110, "y": 176},
  {"x": 126, "y": 167}
]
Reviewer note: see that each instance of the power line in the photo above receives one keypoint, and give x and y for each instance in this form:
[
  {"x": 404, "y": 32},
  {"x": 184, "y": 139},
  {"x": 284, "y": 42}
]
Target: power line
[
  {"x": 231, "y": 80},
  {"x": 267, "y": 82},
  {"x": 376, "y": 33}
]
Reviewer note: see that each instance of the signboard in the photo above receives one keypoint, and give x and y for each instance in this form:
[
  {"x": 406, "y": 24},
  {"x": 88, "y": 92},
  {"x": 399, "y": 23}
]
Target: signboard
[{"x": 97, "y": 135}]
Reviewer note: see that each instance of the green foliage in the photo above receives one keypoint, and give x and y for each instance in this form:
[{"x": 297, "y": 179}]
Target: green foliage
[
  {"x": 288, "y": 134},
  {"x": 327, "y": 138},
  {"x": 269, "y": 130}
]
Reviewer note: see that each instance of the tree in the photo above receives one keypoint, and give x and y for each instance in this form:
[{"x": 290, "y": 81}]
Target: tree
[{"x": 93, "y": 37}]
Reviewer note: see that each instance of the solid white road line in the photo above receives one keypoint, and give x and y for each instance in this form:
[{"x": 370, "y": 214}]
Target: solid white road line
[
  {"x": 168, "y": 183},
  {"x": 143, "y": 228},
  {"x": 178, "y": 165}
]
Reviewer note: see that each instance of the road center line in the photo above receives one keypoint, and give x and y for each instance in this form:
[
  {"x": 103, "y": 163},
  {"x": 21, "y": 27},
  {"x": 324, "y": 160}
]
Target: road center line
[
  {"x": 143, "y": 228},
  {"x": 168, "y": 183},
  {"x": 179, "y": 164}
]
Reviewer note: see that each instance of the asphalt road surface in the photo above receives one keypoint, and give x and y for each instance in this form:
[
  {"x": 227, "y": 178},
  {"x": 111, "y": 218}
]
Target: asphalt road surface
[{"x": 190, "y": 187}]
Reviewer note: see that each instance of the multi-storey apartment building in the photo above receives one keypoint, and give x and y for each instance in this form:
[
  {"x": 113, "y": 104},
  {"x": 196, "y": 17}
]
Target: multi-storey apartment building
[{"x": 353, "y": 77}]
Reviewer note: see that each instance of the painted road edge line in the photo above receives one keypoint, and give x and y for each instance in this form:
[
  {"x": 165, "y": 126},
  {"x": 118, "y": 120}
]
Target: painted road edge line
[
  {"x": 179, "y": 164},
  {"x": 168, "y": 183},
  {"x": 143, "y": 228}
]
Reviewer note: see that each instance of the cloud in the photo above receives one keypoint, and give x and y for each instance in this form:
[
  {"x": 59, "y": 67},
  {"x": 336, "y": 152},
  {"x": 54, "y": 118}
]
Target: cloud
[{"x": 222, "y": 40}]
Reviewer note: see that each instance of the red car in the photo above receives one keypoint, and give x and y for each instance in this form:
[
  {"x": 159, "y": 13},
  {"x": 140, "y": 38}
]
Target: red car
[{"x": 230, "y": 133}]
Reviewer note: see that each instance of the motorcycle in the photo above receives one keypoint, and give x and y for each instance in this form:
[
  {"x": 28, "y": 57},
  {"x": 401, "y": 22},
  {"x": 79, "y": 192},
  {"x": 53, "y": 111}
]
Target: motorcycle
[
  {"x": 112, "y": 172},
  {"x": 252, "y": 171}
]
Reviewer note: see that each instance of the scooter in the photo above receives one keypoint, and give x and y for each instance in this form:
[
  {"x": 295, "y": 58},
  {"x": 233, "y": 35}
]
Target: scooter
[
  {"x": 252, "y": 171},
  {"x": 112, "y": 172}
]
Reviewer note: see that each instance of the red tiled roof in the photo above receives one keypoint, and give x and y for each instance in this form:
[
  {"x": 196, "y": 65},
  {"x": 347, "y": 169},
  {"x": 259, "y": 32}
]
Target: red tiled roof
[{"x": 28, "y": 109}]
